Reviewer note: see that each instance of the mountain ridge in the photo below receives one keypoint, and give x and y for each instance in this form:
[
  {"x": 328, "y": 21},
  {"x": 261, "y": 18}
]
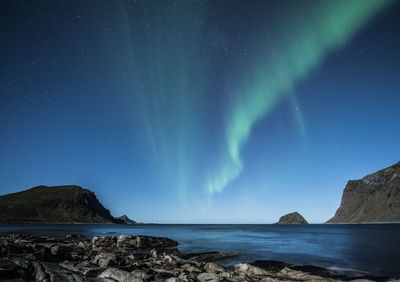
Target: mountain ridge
[
  {"x": 54, "y": 204},
  {"x": 375, "y": 198}
]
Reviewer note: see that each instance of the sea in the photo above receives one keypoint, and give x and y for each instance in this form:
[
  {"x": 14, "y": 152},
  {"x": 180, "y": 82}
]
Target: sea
[{"x": 347, "y": 249}]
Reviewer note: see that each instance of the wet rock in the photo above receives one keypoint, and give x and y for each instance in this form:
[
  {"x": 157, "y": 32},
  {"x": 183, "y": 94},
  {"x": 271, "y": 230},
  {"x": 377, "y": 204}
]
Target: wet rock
[
  {"x": 61, "y": 252},
  {"x": 289, "y": 273},
  {"x": 190, "y": 268},
  {"x": 144, "y": 242},
  {"x": 160, "y": 252},
  {"x": 104, "y": 259},
  {"x": 51, "y": 272},
  {"x": 187, "y": 277},
  {"x": 249, "y": 269},
  {"x": 40, "y": 274},
  {"x": 23, "y": 263},
  {"x": 104, "y": 243},
  {"x": 52, "y": 253},
  {"x": 270, "y": 265},
  {"x": 209, "y": 256},
  {"x": 166, "y": 271},
  {"x": 174, "y": 279},
  {"x": 111, "y": 243},
  {"x": 139, "y": 274},
  {"x": 213, "y": 267},
  {"x": 85, "y": 268},
  {"x": 208, "y": 277},
  {"x": 226, "y": 275},
  {"x": 9, "y": 270},
  {"x": 125, "y": 241},
  {"x": 120, "y": 275}
]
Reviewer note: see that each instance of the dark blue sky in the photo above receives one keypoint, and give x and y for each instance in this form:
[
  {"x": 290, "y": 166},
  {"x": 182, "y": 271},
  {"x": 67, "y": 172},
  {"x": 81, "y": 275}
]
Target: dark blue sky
[{"x": 196, "y": 111}]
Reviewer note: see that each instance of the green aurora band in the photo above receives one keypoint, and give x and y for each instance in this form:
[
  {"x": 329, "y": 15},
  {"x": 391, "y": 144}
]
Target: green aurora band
[
  {"x": 173, "y": 67},
  {"x": 292, "y": 56},
  {"x": 162, "y": 43}
]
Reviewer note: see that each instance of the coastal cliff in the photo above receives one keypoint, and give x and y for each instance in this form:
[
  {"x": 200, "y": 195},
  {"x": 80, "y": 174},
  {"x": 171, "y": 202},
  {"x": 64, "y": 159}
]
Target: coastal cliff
[
  {"x": 54, "y": 204},
  {"x": 374, "y": 198}
]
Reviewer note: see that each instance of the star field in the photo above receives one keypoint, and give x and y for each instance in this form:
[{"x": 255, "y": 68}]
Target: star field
[{"x": 199, "y": 111}]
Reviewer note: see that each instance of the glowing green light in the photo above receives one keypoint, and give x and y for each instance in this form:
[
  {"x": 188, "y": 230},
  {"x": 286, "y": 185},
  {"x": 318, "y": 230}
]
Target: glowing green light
[{"x": 305, "y": 42}]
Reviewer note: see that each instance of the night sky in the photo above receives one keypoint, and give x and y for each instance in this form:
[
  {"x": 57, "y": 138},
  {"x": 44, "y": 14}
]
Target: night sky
[{"x": 200, "y": 111}]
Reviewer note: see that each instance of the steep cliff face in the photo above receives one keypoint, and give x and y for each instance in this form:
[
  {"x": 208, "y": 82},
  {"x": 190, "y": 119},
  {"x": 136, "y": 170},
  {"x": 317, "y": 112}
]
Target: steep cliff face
[
  {"x": 57, "y": 204},
  {"x": 374, "y": 198},
  {"x": 292, "y": 218}
]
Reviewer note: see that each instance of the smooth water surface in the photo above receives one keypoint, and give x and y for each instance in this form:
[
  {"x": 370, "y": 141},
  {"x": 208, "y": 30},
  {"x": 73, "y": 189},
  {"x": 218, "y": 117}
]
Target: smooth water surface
[{"x": 370, "y": 248}]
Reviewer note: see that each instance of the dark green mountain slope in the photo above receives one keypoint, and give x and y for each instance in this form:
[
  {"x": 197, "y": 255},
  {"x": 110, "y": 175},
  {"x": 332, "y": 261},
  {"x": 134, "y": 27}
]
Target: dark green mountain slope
[{"x": 54, "y": 204}]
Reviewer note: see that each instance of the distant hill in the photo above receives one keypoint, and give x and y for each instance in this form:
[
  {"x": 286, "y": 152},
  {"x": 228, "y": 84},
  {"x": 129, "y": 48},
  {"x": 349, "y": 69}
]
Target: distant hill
[
  {"x": 126, "y": 219},
  {"x": 54, "y": 204},
  {"x": 374, "y": 198},
  {"x": 292, "y": 218}
]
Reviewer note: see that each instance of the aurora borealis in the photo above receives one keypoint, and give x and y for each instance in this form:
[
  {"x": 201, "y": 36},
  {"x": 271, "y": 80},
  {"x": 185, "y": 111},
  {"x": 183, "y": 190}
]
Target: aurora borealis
[
  {"x": 300, "y": 48},
  {"x": 207, "y": 111}
]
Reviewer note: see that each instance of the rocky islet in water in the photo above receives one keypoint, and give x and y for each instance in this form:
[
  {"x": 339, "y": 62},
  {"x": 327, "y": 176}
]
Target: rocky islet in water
[{"x": 292, "y": 218}]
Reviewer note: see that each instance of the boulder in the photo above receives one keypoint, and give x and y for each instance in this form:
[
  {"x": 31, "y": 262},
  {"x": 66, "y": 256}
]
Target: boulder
[
  {"x": 249, "y": 270},
  {"x": 120, "y": 275},
  {"x": 213, "y": 267},
  {"x": 208, "y": 277},
  {"x": 105, "y": 259}
]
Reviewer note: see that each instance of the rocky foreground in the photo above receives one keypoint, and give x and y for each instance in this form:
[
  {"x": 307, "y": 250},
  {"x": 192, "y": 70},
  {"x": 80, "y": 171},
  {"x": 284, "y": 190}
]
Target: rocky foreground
[{"x": 133, "y": 258}]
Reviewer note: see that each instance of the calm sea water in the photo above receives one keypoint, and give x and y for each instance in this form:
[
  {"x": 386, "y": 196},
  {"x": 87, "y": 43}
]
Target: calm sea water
[{"x": 373, "y": 249}]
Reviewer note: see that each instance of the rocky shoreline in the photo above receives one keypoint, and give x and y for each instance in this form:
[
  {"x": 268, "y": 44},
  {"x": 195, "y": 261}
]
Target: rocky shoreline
[{"x": 136, "y": 258}]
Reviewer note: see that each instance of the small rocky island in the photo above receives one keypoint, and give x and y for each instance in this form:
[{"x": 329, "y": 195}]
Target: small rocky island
[
  {"x": 55, "y": 204},
  {"x": 292, "y": 218},
  {"x": 133, "y": 258},
  {"x": 126, "y": 219},
  {"x": 373, "y": 199}
]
